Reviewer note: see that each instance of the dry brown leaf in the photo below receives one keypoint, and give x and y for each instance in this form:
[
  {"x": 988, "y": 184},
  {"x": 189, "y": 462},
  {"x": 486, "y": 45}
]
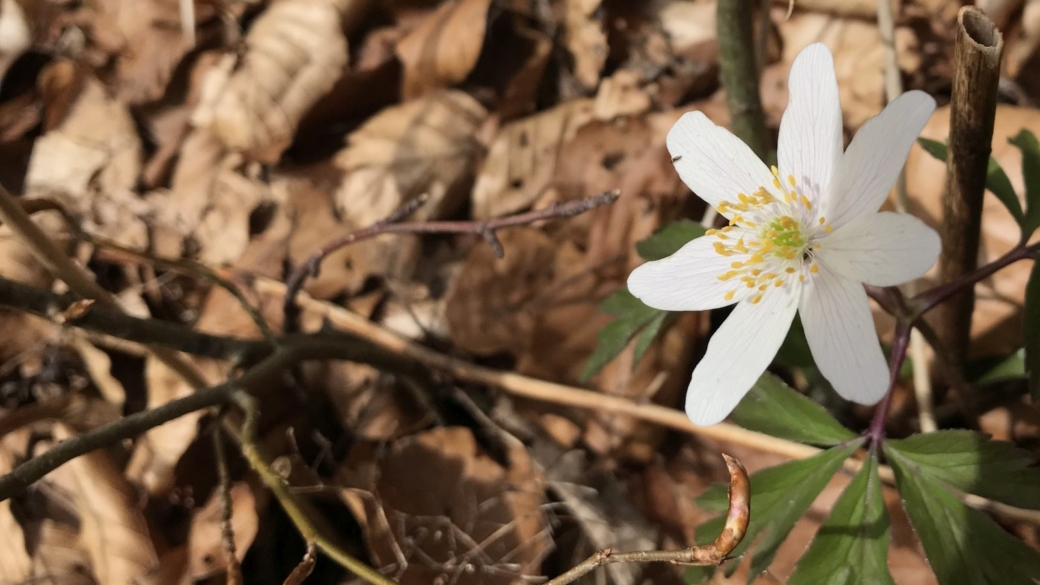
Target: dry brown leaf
[
  {"x": 425, "y": 147},
  {"x": 15, "y": 34},
  {"x": 295, "y": 52},
  {"x": 482, "y": 522},
  {"x": 585, "y": 39},
  {"x": 92, "y": 143},
  {"x": 622, "y": 94},
  {"x": 1021, "y": 53},
  {"x": 113, "y": 529},
  {"x": 997, "y": 321},
  {"x": 443, "y": 50},
  {"x": 206, "y": 553},
  {"x": 99, "y": 367},
  {"x": 522, "y": 161},
  {"x": 157, "y": 452},
  {"x": 147, "y": 38},
  {"x": 60, "y": 555},
  {"x": 15, "y": 562}
]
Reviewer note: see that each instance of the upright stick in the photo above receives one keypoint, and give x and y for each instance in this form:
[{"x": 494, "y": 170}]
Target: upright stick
[{"x": 977, "y": 55}]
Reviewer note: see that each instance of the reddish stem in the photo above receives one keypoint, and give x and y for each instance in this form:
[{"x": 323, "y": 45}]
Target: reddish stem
[{"x": 876, "y": 432}]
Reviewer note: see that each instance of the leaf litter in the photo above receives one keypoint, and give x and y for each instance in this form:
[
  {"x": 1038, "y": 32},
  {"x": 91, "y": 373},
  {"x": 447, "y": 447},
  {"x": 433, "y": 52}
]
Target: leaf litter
[{"x": 278, "y": 126}]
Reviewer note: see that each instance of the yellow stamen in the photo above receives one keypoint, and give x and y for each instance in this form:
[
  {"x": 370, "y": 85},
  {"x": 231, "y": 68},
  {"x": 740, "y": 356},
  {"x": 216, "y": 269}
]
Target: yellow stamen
[{"x": 729, "y": 296}]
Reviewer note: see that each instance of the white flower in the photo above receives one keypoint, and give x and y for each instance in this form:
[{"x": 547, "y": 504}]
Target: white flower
[{"x": 801, "y": 238}]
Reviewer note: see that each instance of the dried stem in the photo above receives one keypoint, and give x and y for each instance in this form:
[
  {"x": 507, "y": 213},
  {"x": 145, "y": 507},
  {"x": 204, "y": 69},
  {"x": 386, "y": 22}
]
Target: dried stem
[
  {"x": 394, "y": 225},
  {"x": 976, "y": 74},
  {"x": 227, "y": 531},
  {"x": 737, "y": 519},
  {"x": 739, "y": 73}
]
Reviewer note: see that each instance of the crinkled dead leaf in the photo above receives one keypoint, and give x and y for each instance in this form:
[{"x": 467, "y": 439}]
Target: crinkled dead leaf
[
  {"x": 452, "y": 510},
  {"x": 61, "y": 555},
  {"x": 93, "y": 143},
  {"x": 113, "y": 528},
  {"x": 585, "y": 39},
  {"x": 443, "y": 50},
  {"x": 622, "y": 94},
  {"x": 295, "y": 52},
  {"x": 15, "y": 562},
  {"x": 148, "y": 44},
  {"x": 207, "y": 555},
  {"x": 521, "y": 162},
  {"x": 157, "y": 452},
  {"x": 425, "y": 147},
  {"x": 1021, "y": 51}
]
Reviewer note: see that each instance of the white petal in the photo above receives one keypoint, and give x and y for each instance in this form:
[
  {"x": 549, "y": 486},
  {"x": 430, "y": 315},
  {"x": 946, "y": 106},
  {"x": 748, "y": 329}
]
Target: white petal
[
  {"x": 810, "y": 141},
  {"x": 739, "y": 352},
  {"x": 714, "y": 163},
  {"x": 687, "y": 280},
  {"x": 882, "y": 249},
  {"x": 870, "y": 166},
  {"x": 841, "y": 335}
]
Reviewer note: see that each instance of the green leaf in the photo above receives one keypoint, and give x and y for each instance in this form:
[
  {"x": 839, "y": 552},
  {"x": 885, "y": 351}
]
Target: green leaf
[
  {"x": 990, "y": 370},
  {"x": 1027, "y": 143},
  {"x": 773, "y": 408},
  {"x": 795, "y": 352},
  {"x": 971, "y": 462},
  {"x": 852, "y": 545},
  {"x": 1032, "y": 330},
  {"x": 648, "y": 335},
  {"x": 996, "y": 179},
  {"x": 668, "y": 239},
  {"x": 632, "y": 317},
  {"x": 963, "y": 545},
  {"x": 779, "y": 497}
]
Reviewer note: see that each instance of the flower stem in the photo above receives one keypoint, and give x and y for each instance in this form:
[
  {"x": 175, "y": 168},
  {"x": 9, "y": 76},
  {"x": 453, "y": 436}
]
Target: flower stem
[
  {"x": 928, "y": 299},
  {"x": 876, "y": 432}
]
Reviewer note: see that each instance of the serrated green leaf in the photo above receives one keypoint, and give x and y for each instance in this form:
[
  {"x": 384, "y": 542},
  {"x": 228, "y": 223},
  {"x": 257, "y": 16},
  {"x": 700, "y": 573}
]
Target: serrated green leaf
[
  {"x": 963, "y": 545},
  {"x": 668, "y": 239},
  {"x": 648, "y": 335},
  {"x": 773, "y": 408},
  {"x": 988, "y": 371},
  {"x": 795, "y": 352},
  {"x": 852, "y": 545},
  {"x": 1032, "y": 331},
  {"x": 632, "y": 317},
  {"x": 1027, "y": 143},
  {"x": 972, "y": 462},
  {"x": 997, "y": 180},
  {"x": 779, "y": 497}
]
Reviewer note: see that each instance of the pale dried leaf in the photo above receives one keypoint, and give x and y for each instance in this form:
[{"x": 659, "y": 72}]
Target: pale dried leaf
[
  {"x": 442, "y": 50},
  {"x": 99, "y": 366},
  {"x": 95, "y": 143},
  {"x": 113, "y": 530},
  {"x": 585, "y": 39},
  {"x": 157, "y": 452},
  {"x": 295, "y": 52},
  {"x": 15, "y": 563},
  {"x": 622, "y": 94},
  {"x": 523, "y": 159},
  {"x": 60, "y": 556},
  {"x": 206, "y": 553},
  {"x": 483, "y": 521},
  {"x": 1022, "y": 51},
  {"x": 422, "y": 147}
]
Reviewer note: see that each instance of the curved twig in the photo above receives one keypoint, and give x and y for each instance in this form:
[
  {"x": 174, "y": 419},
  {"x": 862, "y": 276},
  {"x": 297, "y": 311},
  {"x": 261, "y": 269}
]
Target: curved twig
[{"x": 737, "y": 519}]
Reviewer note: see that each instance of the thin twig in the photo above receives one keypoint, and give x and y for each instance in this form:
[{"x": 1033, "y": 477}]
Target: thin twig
[
  {"x": 227, "y": 531},
  {"x": 393, "y": 225},
  {"x": 737, "y": 519}
]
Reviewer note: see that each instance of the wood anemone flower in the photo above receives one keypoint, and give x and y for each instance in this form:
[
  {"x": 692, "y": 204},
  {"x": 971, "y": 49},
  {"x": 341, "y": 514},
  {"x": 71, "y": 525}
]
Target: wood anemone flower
[{"x": 801, "y": 237}]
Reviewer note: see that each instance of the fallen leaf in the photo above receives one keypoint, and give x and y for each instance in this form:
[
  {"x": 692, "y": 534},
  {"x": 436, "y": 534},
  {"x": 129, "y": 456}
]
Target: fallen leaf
[
  {"x": 585, "y": 39},
  {"x": 522, "y": 161},
  {"x": 15, "y": 562},
  {"x": 295, "y": 52},
  {"x": 469, "y": 520},
  {"x": 113, "y": 530},
  {"x": 442, "y": 51},
  {"x": 622, "y": 94},
  {"x": 60, "y": 555},
  {"x": 422, "y": 147},
  {"x": 206, "y": 553}
]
